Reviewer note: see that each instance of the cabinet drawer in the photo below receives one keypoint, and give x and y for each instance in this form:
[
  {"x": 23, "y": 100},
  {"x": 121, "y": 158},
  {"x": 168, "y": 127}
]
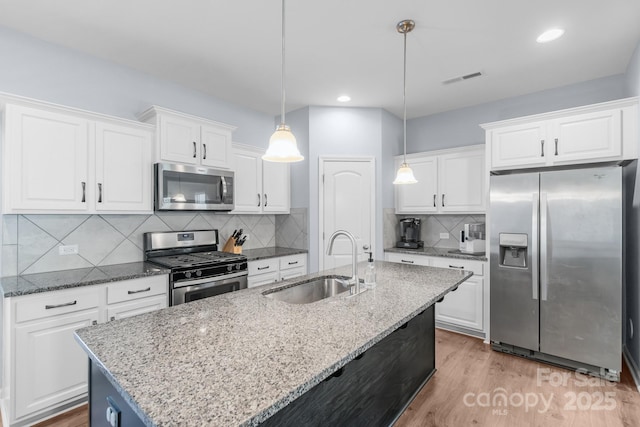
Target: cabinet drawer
[
  {"x": 262, "y": 279},
  {"x": 264, "y": 266},
  {"x": 293, "y": 261},
  {"x": 137, "y": 288},
  {"x": 407, "y": 258},
  {"x": 291, "y": 273},
  {"x": 135, "y": 307},
  {"x": 459, "y": 264},
  {"x": 57, "y": 302}
]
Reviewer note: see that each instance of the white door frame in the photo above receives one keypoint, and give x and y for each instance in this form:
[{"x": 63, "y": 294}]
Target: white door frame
[{"x": 321, "y": 161}]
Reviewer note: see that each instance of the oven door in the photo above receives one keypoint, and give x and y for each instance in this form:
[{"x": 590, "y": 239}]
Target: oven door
[
  {"x": 185, "y": 187},
  {"x": 192, "y": 290}
]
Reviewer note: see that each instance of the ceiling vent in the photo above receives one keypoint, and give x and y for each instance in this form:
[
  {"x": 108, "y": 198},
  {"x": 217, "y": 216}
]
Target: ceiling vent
[{"x": 462, "y": 78}]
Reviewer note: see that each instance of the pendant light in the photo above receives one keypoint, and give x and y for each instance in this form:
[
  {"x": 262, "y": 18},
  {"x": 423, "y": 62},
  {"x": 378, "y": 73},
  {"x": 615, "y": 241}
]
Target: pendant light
[
  {"x": 405, "y": 174},
  {"x": 282, "y": 144}
]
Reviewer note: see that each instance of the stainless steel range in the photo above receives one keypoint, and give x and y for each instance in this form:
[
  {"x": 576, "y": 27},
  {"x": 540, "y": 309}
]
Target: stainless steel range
[{"x": 198, "y": 269}]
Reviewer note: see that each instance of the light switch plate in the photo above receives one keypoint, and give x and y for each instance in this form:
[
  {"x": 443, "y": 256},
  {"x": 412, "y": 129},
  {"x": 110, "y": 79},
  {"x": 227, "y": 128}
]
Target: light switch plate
[
  {"x": 68, "y": 250},
  {"x": 444, "y": 235}
]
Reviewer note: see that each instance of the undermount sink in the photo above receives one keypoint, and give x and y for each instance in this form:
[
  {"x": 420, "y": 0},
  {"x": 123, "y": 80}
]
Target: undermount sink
[{"x": 311, "y": 291}]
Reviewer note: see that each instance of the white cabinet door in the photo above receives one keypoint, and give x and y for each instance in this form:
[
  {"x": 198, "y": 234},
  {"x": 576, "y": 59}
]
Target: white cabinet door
[
  {"x": 215, "y": 148},
  {"x": 179, "y": 140},
  {"x": 248, "y": 181},
  {"x": 123, "y": 168},
  {"x": 520, "y": 145},
  {"x": 275, "y": 187},
  {"x": 587, "y": 136},
  {"x": 50, "y": 366},
  {"x": 461, "y": 182},
  {"x": 135, "y": 307},
  {"x": 46, "y": 165},
  {"x": 421, "y": 197},
  {"x": 463, "y": 307}
]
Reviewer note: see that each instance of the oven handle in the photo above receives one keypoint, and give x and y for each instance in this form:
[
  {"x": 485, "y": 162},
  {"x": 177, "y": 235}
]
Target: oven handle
[{"x": 190, "y": 282}]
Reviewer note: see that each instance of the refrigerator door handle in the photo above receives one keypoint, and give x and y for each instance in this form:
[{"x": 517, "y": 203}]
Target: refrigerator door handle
[
  {"x": 543, "y": 246},
  {"x": 534, "y": 244}
]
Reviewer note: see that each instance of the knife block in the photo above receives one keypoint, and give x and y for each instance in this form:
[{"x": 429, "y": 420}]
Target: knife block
[{"x": 230, "y": 246}]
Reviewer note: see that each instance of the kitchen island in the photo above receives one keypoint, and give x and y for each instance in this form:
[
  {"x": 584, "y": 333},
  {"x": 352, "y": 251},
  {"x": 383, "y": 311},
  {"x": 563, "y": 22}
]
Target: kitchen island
[{"x": 241, "y": 358}]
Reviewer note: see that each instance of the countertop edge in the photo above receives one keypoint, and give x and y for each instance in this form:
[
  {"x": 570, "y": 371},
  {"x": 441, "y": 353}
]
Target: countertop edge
[{"x": 470, "y": 257}]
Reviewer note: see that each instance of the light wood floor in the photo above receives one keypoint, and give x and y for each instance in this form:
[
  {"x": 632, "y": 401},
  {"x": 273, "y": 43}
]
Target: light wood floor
[{"x": 469, "y": 375}]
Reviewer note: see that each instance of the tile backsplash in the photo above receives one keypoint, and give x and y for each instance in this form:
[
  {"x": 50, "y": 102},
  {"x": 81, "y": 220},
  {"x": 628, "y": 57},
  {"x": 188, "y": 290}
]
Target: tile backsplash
[
  {"x": 30, "y": 242},
  {"x": 431, "y": 228}
]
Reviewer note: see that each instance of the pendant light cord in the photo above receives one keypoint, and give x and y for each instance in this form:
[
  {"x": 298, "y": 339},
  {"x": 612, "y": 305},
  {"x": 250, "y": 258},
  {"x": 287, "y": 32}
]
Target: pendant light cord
[
  {"x": 282, "y": 75},
  {"x": 404, "y": 98}
]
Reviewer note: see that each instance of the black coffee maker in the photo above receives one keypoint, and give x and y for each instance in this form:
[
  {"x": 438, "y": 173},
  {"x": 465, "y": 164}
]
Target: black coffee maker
[{"x": 410, "y": 234}]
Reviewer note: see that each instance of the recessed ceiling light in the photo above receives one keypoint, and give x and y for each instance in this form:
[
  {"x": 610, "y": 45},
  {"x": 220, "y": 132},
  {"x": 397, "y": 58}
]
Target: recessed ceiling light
[
  {"x": 550, "y": 35},
  {"x": 344, "y": 98}
]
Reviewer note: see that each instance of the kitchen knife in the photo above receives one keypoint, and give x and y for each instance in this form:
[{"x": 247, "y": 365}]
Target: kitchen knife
[
  {"x": 233, "y": 235},
  {"x": 241, "y": 241}
]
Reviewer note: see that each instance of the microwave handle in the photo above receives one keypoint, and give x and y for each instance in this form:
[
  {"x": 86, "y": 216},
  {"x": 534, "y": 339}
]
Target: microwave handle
[{"x": 223, "y": 187}]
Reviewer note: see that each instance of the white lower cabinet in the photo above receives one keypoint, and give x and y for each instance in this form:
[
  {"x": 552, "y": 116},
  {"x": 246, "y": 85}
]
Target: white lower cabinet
[
  {"x": 44, "y": 369},
  {"x": 463, "y": 309},
  {"x": 271, "y": 270}
]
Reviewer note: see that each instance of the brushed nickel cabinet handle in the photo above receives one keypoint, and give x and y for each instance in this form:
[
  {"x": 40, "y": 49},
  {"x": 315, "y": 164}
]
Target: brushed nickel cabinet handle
[
  {"x": 434, "y": 200},
  {"x": 204, "y": 148},
  {"x": 293, "y": 263},
  {"x": 407, "y": 261},
  {"x": 194, "y": 149},
  {"x": 259, "y": 200},
  {"x": 49, "y": 307},
  {"x": 455, "y": 266},
  {"x": 99, "y": 192},
  {"x": 556, "y": 146},
  {"x": 443, "y": 200},
  {"x": 542, "y": 148},
  {"x": 265, "y": 200},
  {"x": 84, "y": 192},
  {"x": 263, "y": 268},
  {"x": 141, "y": 290}
]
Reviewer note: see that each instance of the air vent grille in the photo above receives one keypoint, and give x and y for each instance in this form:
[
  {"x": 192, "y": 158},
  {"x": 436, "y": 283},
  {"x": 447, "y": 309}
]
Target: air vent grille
[{"x": 462, "y": 78}]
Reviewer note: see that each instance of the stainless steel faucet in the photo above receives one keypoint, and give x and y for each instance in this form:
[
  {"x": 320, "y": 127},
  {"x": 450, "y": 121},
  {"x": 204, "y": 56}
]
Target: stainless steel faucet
[{"x": 355, "y": 289}]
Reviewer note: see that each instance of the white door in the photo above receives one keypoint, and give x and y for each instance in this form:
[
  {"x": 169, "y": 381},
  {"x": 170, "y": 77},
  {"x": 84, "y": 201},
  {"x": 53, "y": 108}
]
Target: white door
[
  {"x": 50, "y": 366},
  {"x": 216, "y": 147},
  {"x": 47, "y": 160},
  {"x": 275, "y": 187},
  {"x": 421, "y": 197},
  {"x": 347, "y": 203},
  {"x": 461, "y": 182},
  {"x": 123, "y": 168},
  {"x": 179, "y": 140},
  {"x": 247, "y": 192}
]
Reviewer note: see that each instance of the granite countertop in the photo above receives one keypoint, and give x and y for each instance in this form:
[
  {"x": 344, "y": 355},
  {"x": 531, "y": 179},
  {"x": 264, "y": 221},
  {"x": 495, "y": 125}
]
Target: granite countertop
[
  {"x": 441, "y": 252},
  {"x": 56, "y": 280},
  {"x": 238, "y": 358},
  {"x": 272, "y": 252}
]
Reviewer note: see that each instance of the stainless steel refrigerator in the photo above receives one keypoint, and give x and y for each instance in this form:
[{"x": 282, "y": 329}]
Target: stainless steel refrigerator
[{"x": 556, "y": 267}]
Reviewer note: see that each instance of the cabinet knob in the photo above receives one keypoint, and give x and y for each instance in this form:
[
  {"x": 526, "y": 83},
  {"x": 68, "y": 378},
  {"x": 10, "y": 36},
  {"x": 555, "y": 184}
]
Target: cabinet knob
[
  {"x": 94, "y": 322},
  {"x": 113, "y": 318}
]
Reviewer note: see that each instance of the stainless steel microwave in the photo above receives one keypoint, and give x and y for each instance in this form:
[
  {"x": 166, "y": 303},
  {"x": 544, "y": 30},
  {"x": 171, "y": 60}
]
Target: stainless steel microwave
[{"x": 193, "y": 188}]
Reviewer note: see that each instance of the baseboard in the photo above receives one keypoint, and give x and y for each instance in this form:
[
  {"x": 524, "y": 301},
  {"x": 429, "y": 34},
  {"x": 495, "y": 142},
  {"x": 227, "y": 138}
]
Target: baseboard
[{"x": 633, "y": 368}]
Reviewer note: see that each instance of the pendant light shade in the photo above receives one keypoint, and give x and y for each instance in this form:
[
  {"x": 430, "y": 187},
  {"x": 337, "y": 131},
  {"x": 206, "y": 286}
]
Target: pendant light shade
[
  {"x": 282, "y": 144},
  {"x": 405, "y": 174}
]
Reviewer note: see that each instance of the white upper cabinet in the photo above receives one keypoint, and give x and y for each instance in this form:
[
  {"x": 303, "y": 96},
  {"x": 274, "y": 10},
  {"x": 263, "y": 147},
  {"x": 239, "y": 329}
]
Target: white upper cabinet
[
  {"x": 448, "y": 181},
  {"x": 593, "y": 133},
  {"x": 123, "y": 168},
  {"x": 420, "y": 197},
  {"x": 46, "y": 156},
  {"x": 189, "y": 139},
  {"x": 59, "y": 160},
  {"x": 260, "y": 186}
]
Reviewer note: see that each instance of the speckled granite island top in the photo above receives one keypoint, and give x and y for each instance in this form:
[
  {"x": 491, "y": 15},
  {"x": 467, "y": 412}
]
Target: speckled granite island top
[
  {"x": 56, "y": 280},
  {"x": 439, "y": 252},
  {"x": 271, "y": 252},
  {"x": 238, "y": 358}
]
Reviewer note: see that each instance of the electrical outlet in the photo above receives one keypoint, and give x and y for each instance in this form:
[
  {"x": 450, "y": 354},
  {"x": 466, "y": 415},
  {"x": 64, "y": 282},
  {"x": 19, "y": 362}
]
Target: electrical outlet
[
  {"x": 444, "y": 235},
  {"x": 68, "y": 250}
]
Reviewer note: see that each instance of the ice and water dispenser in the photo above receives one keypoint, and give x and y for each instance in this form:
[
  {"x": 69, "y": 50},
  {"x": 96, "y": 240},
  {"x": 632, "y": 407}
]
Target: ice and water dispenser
[{"x": 514, "y": 249}]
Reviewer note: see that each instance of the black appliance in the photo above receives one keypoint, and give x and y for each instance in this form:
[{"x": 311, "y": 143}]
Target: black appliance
[{"x": 410, "y": 234}]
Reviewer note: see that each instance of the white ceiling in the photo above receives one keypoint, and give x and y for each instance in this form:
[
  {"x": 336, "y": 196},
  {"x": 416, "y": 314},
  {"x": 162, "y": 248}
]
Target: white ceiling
[{"x": 231, "y": 48}]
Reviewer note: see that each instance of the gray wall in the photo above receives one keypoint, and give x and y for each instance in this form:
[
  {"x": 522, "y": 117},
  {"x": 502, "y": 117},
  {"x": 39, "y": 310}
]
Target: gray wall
[
  {"x": 298, "y": 121},
  {"x": 53, "y": 73},
  {"x": 632, "y": 295},
  {"x": 460, "y": 127}
]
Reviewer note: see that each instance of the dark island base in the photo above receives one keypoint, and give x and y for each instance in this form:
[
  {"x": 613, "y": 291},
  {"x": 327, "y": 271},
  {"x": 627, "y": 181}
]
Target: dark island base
[
  {"x": 375, "y": 388},
  {"x": 372, "y": 390}
]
